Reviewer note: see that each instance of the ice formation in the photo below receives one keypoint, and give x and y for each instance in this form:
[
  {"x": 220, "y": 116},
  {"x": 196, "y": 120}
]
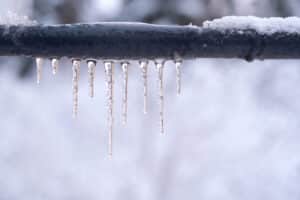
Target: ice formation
[
  {"x": 144, "y": 68},
  {"x": 55, "y": 65},
  {"x": 178, "y": 76},
  {"x": 125, "y": 92},
  {"x": 160, "y": 70},
  {"x": 39, "y": 67},
  {"x": 110, "y": 100},
  {"x": 91, "y": 73},
  {"x": 109, "y": 79},
  {"x": 76, "y": 73}
]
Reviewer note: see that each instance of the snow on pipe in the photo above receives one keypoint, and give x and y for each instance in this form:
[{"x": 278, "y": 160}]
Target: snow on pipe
[{"x": 137, "y": 41}]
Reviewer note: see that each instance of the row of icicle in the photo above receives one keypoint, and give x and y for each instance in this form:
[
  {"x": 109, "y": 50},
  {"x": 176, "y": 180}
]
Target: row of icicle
[{"x": 109, "y": 69}]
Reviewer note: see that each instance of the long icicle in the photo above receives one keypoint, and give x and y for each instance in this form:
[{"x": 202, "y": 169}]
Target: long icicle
[
  {"x": 144, "y": 68},
  {"x": 39, "y": 66},
  {"x": 91, "y": 72},
  {"x": 178, "y": 64},
  {"x": 109, "y": 95},
  {"x": 76, "y": 73},
  {"x": 160, "y": 68},
  {"x": 125, "y": 92},
  {"x": 54, "y": 64}
]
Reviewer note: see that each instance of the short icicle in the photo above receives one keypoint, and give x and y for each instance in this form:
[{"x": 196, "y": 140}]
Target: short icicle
[
  {"x": 178, "y": 64},
  {"x": 54, "y": 64},
  {"x": 109, "y": 95},
  {"x": 91, "y": 71},
  {"x": 144, "y": 68},
  {"x": 125, "y": 91},
  {"x": 39, "y": 66},
  {"x": 160, "y": 68},
  {"x": 76, "y": 73}
]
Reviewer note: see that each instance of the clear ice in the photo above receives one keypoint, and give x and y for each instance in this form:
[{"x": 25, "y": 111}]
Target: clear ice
[
  {"x": 109, "y": 72},
  {"x": 160, "y": 68},
  {"x": 91, "y": 74},
  {"x": 76, "y": 72},
  {"x": 125, "y": 92},
  {"x": 109, "y": 95},
  {"x": 144, "y": 68},
  {"x": 39, "y": 66},
  {"x": 178, "y": 76},
  {"x": 54, "y": 64}
]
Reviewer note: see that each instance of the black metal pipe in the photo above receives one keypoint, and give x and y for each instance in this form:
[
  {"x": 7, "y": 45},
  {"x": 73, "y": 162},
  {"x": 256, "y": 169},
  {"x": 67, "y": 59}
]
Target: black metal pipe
[{"x": 144, "y": 41}]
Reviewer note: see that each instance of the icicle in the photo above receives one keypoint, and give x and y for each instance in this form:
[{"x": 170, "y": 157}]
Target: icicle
[
  {"x": 39, "y": 66},
  {"x": 109, "y": 95},
  {"x": 76, "y": 72},
  {"x": 54, "y": 64},
  {"x": 178, "y": 64},
  {"x": 125, "y": 92},
  {"x": 144, "y": 67},
  {"x": 91, "y": 72},
  {"x": 160, "y": 68}
]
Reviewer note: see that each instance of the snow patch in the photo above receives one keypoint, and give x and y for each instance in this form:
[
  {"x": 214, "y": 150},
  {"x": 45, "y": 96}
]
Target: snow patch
[
  {"x": 261, "y": 25},
  {"x": 11, "y": 18}
]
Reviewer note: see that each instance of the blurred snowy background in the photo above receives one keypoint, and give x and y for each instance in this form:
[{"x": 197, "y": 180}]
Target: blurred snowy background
[{"x": 232, "y": 134}]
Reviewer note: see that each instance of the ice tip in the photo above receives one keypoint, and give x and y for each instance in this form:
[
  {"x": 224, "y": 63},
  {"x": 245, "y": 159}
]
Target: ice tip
[
  {"x": 39, "y": 65},
  {"x": 74, "y": 114},
  {"x": 54, "y": 64},
  {"x": 91, "y": 71},
  {"x": 178, "y": 64}
]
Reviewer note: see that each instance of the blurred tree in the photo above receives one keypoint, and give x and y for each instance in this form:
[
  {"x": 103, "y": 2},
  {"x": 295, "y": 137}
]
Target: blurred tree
[
  {"x": 282, "y": 8},
  {"x": 68, "y": 11},
  {"x": 25, "y": 67}
]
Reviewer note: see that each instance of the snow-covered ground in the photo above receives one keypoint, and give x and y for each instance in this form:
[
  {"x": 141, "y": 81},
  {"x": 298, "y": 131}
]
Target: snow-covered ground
[{"x": 232, "y": 134}]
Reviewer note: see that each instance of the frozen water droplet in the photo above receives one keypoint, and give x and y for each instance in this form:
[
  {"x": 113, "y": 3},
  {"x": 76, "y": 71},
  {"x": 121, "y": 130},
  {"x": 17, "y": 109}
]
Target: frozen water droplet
[
  {"x": 144, "y": 68},
  {"x": 125, "y": 91},
  {"x": 76, "y": 73},
  {"x": 54, "y": 64},
  {"x": 178, "y": 64},
  {"x": 160, "y": 68},
  {"x": 109, "y": 95},
  {"x": 91, "y": 72},
  {"x": 39, "y": 66}
]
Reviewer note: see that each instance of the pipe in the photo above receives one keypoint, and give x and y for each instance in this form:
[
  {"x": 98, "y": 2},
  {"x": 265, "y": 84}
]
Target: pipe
[{"x": 136, "y": 41}]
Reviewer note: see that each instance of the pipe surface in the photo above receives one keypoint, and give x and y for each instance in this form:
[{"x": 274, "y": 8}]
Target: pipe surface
[{"x": 136, "y": 41}]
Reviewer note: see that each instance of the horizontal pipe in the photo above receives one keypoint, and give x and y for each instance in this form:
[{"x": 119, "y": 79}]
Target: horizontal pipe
[{"x": 136, "y": 41}]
